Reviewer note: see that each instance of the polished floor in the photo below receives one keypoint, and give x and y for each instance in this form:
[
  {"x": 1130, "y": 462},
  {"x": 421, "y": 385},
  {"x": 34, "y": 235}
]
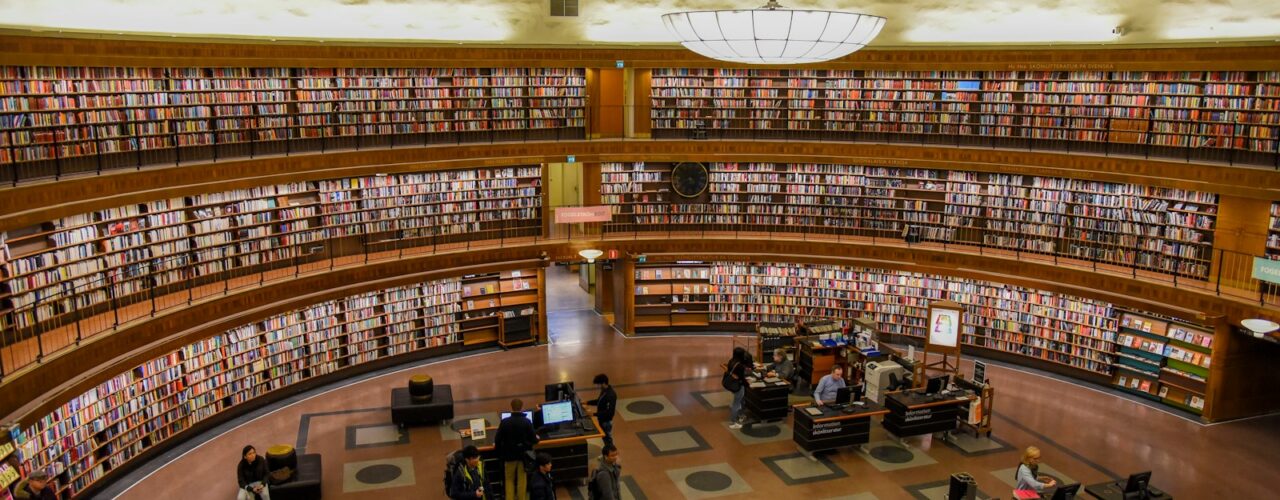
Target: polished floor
[{"x": 676, "y": 444}]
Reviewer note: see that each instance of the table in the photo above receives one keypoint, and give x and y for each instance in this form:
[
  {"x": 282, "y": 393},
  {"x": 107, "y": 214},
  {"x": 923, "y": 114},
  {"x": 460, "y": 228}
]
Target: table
[
  {"x": 569, "y": 456},
  {"x": 833, "y": 428},
  {"x": 1114, "y": 490},
  {"x": 913, "y": 413},
  {"x": 767, "y": 401},
  {"x": 406, "y": 412}
]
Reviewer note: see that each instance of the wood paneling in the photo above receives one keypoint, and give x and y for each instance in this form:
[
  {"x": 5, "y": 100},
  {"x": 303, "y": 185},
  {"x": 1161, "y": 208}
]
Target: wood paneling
[
  {"x": 33, "y": 204},
  {"x": 590, "y": 184},
  {"x": 607, "y": 122},
  {"x": 641, "y": 87},
  {"x": 1243, "y": 377},
  {"x": 151, "y": 51},
  {"x": 604, "y": 289},
  {"x": 1242, "y": 224}
]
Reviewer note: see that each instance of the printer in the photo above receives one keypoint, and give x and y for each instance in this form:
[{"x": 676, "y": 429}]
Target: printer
[{"x": 877, "y": 378}]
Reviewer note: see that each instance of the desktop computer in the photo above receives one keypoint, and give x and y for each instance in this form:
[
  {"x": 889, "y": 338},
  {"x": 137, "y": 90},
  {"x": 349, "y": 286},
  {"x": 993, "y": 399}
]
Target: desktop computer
[
  {"x": 1137, "y": 485},
  {"x": 937, "y": 384},
  {"x": 527, "y": 414},
  {"x": 560, "y": 391},
  {"x": 1066, "y": 492}
]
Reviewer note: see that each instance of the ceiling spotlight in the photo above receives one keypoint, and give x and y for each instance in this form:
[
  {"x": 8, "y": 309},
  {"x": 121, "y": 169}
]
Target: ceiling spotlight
[
  {"x": 590, "y": 254},
  {"x": 772, "y": 34}
]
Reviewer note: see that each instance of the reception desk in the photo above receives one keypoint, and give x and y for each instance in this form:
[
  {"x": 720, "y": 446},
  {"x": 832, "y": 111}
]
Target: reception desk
[
  {"x": 833, "y": 428},
  {"x": 767, "y": 401},
  {"x": 913, "y": 413},
  {"x": 569, "y": 456}
]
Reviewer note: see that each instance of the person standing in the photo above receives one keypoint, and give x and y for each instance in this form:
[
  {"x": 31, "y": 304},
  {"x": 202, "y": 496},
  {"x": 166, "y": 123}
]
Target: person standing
[
  {"x": 468, "y": 482},
  {"x": 1028, "y": 475},
  {"x": 513, "y": 443},
  {"x": 606, "y": 406},
  {"x": 605, "y": 481},
  {"x": 251, "y": 475},
  {"x": 735, "y": 381},
  {"x": 829, "y": 385},
  {"x": 35, "y": 487},
  {"x": 541, "y": 486}
]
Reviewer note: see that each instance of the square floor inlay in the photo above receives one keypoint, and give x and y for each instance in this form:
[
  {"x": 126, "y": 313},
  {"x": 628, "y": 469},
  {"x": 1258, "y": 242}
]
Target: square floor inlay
[
  {"x": 889, "y": 455},
  {"x": 377, "y": 474},
  {"x": 673, "y": 441},
  {"x": 632, "y": 409},
  {"x": 760, "y": 433},
  {"x": 1008, "y": 476},
  {"x": 714, "y": 400},
  {"x": 796, "y": 469},
  {"x": 449, "y": 429},
  {"x": 709, "y": 481},
  {"x": 936, "y": 490},
  {"x": 970, "y": 446},
  {"x": 369, "y": 436}
]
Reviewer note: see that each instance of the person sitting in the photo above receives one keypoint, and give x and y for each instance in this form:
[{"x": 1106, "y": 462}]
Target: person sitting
[
  {"x": 251, "y": 475},
  {"x": 541, "y": 485},
  {"x": 35, "y": 487},
  {"x": 829, "y": 386},
  {"x": 781, "y": 366},
  {"x": 1028, "y": 475}
]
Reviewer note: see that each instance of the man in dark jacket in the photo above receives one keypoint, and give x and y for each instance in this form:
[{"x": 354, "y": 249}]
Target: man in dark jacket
[
  {"x": 606, "y": 405},
  {"x": 541, "y": 486},
  {"x": 468, "y": 481},
  {"x": 515, "y": 439},
  {"x": 604, "y": 483},
  {"x": 35, "y": 487}
]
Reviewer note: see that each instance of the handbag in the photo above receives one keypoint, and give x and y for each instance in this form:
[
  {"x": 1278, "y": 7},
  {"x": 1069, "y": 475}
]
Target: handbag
[{"x": 730, "y": 384}]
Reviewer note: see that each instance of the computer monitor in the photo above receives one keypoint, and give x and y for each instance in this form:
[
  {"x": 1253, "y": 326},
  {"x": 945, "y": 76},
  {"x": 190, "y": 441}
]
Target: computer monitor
[
  {"x": 1066, "y": 492},
  {"x": 559, "y": 391},
  {"x": 936, "y": 384},
  {"x": 1137, "y": 484},
  {"x": 843, "y": 395},
  {"x": 527, "y": 414},
  {"x": 557, "y": 412}
]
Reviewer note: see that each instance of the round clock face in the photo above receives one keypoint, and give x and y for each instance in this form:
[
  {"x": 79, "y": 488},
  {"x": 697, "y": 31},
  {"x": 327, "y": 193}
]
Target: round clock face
[{"x": 689, "y": 179}]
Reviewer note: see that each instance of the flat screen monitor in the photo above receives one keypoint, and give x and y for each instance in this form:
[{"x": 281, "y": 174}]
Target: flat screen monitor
[
  {"x": 558, "y": 412},
  {"x": 559, "y": 391},
  {"x": 936, "y": 384},
  {"x": 527, "y": 414},
  {"x": 1066, "y": 492},
  {"x": 843, "y": 395},
  {"x": 1138, "y": 483},
  {"x": 979, "y": 372}
]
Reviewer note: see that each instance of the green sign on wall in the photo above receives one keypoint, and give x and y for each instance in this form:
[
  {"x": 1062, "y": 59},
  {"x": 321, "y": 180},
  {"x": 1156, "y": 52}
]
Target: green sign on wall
[{"x": 1266, "y": 269}]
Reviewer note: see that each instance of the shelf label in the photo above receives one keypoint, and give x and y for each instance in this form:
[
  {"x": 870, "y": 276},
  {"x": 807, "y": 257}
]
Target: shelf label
[
  {"x": 1266, "y": 270},
  {"x": 618, "y": 64},
  {"x": 571, "y": 159}
]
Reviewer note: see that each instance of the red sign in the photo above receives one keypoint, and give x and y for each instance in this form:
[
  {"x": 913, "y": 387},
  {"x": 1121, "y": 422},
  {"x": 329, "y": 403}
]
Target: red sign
[{"x": 569, "y": 215}]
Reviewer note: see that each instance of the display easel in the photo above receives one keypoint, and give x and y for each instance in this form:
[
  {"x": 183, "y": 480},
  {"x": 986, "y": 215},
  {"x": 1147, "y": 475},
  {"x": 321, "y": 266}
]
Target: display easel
[{"x": 943, "y": 338}]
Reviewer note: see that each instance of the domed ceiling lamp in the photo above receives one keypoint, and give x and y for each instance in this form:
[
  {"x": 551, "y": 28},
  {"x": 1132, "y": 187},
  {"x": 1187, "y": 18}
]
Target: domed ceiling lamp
[{"x": 772, "y": 34}]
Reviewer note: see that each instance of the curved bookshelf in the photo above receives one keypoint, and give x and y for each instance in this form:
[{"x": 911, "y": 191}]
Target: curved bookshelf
[{"x": 1227, "y": 116}]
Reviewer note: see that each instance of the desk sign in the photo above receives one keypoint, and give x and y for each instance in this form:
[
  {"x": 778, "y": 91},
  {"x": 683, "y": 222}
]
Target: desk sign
[
  {"x": 1266, "y": 270},
  {"x": 477, "y": 429}
]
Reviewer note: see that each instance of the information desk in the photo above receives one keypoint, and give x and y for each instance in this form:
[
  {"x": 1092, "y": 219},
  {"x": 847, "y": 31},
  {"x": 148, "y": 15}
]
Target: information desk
[
  {"x": 913, "y": 413},
  {"x": 766, "y": 399},
  {"x": 1114, "y": 490},
  {"x": 569, "y": 456},
  {"x": 833, "y": 427}
]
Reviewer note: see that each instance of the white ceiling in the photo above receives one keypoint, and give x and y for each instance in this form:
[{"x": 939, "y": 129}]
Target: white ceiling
[{"x": 527, "y": 22}]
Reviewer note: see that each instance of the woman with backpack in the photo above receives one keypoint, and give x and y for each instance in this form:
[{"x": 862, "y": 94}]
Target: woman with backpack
[{"x": 735, "y": 381}]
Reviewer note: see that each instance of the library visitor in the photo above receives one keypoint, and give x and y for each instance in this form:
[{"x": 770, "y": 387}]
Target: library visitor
[
  {"x": 734, "y": 380},
  {"x": 252, "y": 475},
  {"x": 541, "y": 485},
  {"x": 829, "y": 385},
  {"x": 605, "y": 405},
  {"x": 604, "y": 483},
  {"x": 35, "y": 487},
  {"x": 1028, "y": 475},
  {"x": 468, "y": 481},
  {"x": 513, "y": 443},
  {"x": 781, "y": 367}
]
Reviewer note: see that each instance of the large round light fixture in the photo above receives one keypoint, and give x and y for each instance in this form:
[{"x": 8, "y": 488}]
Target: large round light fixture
[
  {"x": 772, "y": 34},
  {"x": 590, "y": 254}
]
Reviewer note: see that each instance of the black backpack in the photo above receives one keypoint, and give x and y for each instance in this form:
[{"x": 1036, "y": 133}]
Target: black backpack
[
  {"x": 593, "y": 491},
  {"x": 453, "y": 464}
]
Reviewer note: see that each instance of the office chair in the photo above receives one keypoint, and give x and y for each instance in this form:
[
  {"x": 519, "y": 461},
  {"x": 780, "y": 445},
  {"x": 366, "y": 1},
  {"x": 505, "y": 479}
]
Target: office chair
[{"x": 894, "y": 383}]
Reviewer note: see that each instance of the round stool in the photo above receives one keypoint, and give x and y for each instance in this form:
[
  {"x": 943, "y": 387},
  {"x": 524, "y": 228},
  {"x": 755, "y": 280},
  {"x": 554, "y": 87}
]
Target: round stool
[
  {"x": 282, "y": 462},
  {"x": 421, "y": 387}
]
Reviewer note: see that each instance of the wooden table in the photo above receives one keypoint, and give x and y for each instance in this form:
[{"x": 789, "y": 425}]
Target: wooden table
[{"x": 833, "y": 428}]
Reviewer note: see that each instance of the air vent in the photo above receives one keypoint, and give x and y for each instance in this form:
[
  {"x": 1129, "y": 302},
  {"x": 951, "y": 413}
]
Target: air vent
[{"x": 564, "y": 8}]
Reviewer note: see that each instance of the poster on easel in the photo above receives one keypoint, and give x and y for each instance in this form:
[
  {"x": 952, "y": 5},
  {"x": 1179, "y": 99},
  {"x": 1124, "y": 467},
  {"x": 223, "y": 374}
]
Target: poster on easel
[{"x": 943, "y": 337}]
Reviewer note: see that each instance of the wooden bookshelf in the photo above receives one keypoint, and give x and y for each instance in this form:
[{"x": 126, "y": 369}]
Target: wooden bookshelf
[
  {"x": 500, "y": 308},
  {"x": 60, "y": 120},
  {"x": 1163, "y": 360},
  {"x": 1170, "y": 112},
  {"x": 671, "y": 296},
  {"x": 102, "y": 429},
  {"x": 1273, "y": 232},
  {"x": 80, "y": 264},
  {"x": 1159, "y": 229}
]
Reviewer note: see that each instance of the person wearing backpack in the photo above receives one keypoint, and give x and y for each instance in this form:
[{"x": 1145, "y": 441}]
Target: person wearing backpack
[
  {"x": 513, "y": 443},
  {"x": 541, "y": 486},
  {"x": 604, "y": 483},
  {"x": 734, "y": 380},
  {"x": 467, "y": 482},
  {"x": 606, "y": 406}
]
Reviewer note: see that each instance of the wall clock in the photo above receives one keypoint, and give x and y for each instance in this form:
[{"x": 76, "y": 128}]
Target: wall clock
[{"x": 689, "y": 179}]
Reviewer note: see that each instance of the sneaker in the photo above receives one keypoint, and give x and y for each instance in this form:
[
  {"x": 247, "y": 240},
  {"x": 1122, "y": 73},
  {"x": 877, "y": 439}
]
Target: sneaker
[{"x": 735, "y": 425}]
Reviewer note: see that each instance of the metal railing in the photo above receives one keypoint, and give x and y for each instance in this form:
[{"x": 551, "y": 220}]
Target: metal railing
[
  {"x": 69, "y": 316},
  {"x": 91, "y": 156}
]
